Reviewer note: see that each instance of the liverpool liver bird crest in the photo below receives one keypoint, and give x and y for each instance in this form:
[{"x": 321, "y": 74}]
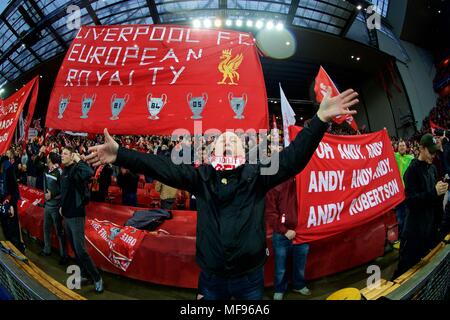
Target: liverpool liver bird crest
[{"x": 229, "y": 66}]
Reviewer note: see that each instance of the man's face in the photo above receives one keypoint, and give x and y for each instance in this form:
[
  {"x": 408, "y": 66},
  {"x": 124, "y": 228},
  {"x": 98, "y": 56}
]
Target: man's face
[
  {"x": 66, "y": 157},
  {"x": 426, "y": 155},
  {"x": 228, "y": 144},
  {"x": 402, "y": 148}
]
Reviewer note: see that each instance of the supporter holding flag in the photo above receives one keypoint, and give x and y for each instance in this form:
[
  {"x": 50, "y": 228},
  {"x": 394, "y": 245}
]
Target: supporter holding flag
[{"x": 281, "y": 212}]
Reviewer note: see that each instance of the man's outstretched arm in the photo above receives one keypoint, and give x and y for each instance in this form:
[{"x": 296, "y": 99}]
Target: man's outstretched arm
[
  {"x": 293, "y": 159},
  {"x": 159, "y": 167}
]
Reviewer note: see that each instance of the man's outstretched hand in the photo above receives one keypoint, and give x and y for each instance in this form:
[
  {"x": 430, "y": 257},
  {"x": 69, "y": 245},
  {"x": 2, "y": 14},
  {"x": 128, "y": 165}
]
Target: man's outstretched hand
[
  {"x": 338, "y": 105},
  {"x": 104, "y": 153}
]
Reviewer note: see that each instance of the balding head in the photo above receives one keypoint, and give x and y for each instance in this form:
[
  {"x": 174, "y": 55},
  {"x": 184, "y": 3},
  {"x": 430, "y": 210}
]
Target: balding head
[
  {"x": 230, "y": 145},
  {"x": 228, "y": 151}
]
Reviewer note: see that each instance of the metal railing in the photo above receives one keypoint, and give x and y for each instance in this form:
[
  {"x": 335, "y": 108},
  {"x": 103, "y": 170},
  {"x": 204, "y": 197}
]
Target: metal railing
[
  {"x": 23, "y": 280},
  {"x": 431, "y": 282},
  {"x": 18, "y": 283}
]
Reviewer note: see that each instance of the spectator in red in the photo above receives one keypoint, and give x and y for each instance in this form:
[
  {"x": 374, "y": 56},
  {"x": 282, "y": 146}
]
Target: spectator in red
[{"x": 281, "y": 214}]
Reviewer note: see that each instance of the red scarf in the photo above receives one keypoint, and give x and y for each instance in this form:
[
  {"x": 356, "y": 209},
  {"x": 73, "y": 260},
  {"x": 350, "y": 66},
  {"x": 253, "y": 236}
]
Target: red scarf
[{"x": 226, "y": 163}]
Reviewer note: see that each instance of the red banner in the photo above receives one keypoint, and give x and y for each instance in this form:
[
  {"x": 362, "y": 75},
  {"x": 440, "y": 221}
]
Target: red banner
[
  {"x": 10, "y": 110},
  {"x": 115, "y": 243},
  {"x": 434, "y": 126},
  {"x": 29, "y": 196},
  {"x": 152, "y": 79},
  {"x": 31, "y": 107},
  {"x": 349, "y": 181},
  {"x": 323, "y": 81}
]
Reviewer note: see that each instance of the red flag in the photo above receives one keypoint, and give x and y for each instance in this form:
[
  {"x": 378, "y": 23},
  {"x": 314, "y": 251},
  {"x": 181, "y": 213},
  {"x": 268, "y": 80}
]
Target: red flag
[
  {"x": 384, "y": 84},
  {"x": 49, "y": 132},
  {"x": 31, "y": 107},
  {"x": 351, "y": 121},
  {"x": 12, "y": 108},
  {"x": 323, "y": 81},
  {"x": 434, "y": 126},
  {"x": 393, "y": 76}
]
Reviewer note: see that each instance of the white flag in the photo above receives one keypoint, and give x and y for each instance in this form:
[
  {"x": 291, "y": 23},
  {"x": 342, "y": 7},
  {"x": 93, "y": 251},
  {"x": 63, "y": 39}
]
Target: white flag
[
  {"x": 288, "y": 116},
  {"x": 21, "y": 127},
  {"x": 76, "y": 134}
]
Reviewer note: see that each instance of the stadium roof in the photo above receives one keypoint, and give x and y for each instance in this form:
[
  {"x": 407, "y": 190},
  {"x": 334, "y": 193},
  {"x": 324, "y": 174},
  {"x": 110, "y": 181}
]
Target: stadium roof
[{"x": 34, "y": 31}]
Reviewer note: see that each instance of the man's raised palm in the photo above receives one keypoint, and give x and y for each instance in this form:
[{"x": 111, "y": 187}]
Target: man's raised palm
[
  {"x": 104, "y": 153},
  {"x": 338, "y": 105}
]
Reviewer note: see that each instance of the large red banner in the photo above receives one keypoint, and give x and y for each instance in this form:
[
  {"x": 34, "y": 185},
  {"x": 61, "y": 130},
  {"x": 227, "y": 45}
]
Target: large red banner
[
  {"x": 115, "y": 243},
  {"x": 10, "y": 110},
  {"x": 152, "y": 79},
  {"x": 349, "y": 181}
]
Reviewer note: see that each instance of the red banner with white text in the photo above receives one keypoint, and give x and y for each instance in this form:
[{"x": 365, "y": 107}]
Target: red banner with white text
[
  {"x": 115, "y": 243},
  {"x": 153, "y": 79},
  {"x": 11, "y": 109},
  {"x": 349, "y": 181}
]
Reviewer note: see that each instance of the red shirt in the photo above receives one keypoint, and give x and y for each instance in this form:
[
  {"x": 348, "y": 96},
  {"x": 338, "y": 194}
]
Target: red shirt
[{"x": 282, "y": 200}]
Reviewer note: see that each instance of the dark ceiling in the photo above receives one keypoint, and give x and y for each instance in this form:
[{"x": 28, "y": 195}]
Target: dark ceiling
[
  {"x": 297, "y": 73},
  {"x": 427, "y": 24}
]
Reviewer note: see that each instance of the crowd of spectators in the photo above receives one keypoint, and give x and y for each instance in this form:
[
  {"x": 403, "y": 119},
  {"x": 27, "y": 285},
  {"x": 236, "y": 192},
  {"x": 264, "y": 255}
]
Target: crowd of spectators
[
  {"x": 30, "y": 162},
  {"x": 440, "y": 114}
]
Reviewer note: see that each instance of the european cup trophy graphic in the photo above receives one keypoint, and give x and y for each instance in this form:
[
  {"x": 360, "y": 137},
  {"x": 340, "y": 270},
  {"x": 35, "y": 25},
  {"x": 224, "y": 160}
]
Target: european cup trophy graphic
[
  {"x": 63, "y": 103},
  {"x": 86, "y": 105},
  {"x": 197, "y": 104},
  {"x": 117, "y": 105},
  {"x": 238, "y": 104},
  {"x": 155, "y": 105}
]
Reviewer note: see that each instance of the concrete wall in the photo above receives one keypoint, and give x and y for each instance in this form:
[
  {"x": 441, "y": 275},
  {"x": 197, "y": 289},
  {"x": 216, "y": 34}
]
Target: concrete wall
[
  {"x": 417, "y": 70},
  {"x": 358, "y": 32},
  {"x": 393, "y": 47},
  {"x": 379, "y": 110},
  {"x": 378, "y": 106},
  {"x": 396, "y": 15},
  {"x": 418, "y": 75}
]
